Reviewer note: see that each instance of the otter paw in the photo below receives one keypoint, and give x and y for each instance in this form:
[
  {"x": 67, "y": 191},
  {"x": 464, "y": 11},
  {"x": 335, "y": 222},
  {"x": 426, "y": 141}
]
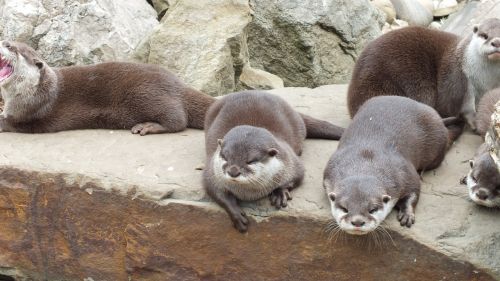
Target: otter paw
[
  {"x": 406, "y": 218},
  {"x": 240, "y": 221},
  {"x": 279, "y": 197},
  {"x": 147, "y": 128}
]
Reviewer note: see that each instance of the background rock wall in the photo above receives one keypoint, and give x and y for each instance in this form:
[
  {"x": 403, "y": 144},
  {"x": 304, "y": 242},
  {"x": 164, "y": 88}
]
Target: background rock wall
[{"x": 208, "y": 43}]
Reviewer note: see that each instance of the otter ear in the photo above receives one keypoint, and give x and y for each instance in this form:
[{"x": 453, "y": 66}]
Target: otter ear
[
  {"x": 220, "y": 142},
  {"x": 475, "y": 28},
  {"x": 272, "y": 152},
  {"x": 331, "y": 195},
  {"x": 386, "y": 198},
  {"x": 38, "y": 63},
  {"x": 471, "y": 163}
]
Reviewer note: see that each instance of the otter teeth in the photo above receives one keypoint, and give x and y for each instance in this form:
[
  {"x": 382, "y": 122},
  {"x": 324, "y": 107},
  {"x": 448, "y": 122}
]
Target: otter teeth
[{"x": 6, "y": 68}]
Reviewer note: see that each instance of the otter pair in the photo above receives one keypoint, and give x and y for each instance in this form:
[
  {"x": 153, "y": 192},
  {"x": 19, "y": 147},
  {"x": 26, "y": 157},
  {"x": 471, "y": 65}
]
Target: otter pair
[{"x": 391, "y": 138}]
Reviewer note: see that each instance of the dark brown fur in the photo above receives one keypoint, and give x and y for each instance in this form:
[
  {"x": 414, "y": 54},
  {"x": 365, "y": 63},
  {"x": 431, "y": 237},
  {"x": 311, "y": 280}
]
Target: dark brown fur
[
  {"x": 114, "y": 95},
  {"x": 419, "y": 63},
  {"x": 383, "y": 150},
  {"x": 485, "y": 109},
  {"x": 247, "y": 123}
]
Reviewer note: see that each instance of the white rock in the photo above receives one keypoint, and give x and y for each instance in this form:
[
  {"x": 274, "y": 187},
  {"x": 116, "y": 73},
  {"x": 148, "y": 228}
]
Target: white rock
[
  {"x": 69, "y": 32},
  {"x": 252, "y": 78},
  {"x": 412, "y": 12},
  {"x": 444, "y": 7}
]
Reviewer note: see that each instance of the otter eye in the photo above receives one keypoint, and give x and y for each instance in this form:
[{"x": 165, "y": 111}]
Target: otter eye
[
  {"x": 343, "y": 209},
  {"x": 471, "y": 163},
  {"x": 474, "y": 179},
  {"x": 483, "y": 35},
  {"x": 253, "y": 161},
  {"x": 372, "y": 211}
]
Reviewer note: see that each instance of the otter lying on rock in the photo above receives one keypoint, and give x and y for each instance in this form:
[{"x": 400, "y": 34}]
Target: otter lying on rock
[
  {"x": 144, "y": 98},
  {"x": 377, "y": 161},
  {"x": 253, "y": 141},
  {"x": 483, "y": 180}
]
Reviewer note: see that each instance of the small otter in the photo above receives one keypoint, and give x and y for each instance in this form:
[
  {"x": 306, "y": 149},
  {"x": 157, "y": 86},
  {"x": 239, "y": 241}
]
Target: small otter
[
  {"x": 376, "y": 162},
  {"x": 433, "y": 67},
  {"x": 144, "y": 98},
  {"x": 253, "y": 140},
  {"x": 483, "y": 180}
]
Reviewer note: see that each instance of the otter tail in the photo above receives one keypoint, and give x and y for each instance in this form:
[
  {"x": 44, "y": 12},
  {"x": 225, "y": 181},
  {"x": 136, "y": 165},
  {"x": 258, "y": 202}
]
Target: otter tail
[
  {"x": 455, "y": 126},
  {"x": 196, "y": 104},
  {"x": 319, "y": 129}
]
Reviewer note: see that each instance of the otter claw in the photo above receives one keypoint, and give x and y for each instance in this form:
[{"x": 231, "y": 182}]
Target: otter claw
[
  {"x": 240, "y": 222},
  {"x": 279, "y": 197},
  {"x": 406, "y": 218}
]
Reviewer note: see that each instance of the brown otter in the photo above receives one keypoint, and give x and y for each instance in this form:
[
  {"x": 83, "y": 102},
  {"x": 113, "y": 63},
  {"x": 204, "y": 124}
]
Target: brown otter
[
  {"x": 376, "y": 162},
  {"x": 483, "y": 180},
  {"x": 253, "y": 140},
  {"x": 433, "y": 67},
  {"x": 144, "y": 98}
]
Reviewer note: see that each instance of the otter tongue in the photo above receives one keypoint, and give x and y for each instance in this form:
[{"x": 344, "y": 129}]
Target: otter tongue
[{"x": 5, "y": 69}]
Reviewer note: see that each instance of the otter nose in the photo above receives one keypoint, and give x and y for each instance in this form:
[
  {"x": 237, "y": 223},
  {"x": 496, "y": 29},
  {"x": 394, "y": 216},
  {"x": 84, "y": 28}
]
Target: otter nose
[
  {"x": 495, "y": 43},
  {"x": 358, "y": 223},
  {"x": 481, "y": 194},
  {"x": 234, "y": 171}
]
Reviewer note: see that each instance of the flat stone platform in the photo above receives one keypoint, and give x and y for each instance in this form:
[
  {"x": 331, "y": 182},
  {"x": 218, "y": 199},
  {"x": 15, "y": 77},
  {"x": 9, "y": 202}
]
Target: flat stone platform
[{"x": 109, "y": 205}]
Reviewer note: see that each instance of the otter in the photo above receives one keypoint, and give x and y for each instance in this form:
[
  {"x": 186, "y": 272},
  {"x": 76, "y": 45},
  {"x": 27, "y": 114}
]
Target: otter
[
  {"x": 376, "y": 164},
  {"x": 483, "y": 179},
  {"x": 433, "y": 67},
  {"x": 253, "y": 142},
  {"x": 146, "y": 99}
]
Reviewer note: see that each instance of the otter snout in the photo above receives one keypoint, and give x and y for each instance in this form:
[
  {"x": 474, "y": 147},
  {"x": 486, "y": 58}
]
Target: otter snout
[
  {"x": 358, "y": 222},
  {"x": 495, "y": 43},
  {"x": 482, "y": 194},
  {"x": 234, "y": 171}
]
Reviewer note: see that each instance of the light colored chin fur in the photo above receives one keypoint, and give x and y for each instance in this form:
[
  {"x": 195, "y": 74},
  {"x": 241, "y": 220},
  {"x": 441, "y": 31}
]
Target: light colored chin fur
[
  {"x": 472, "y": 195},
  {"x": 370, "y": 225},
  {"x": 257, "y": 185},
  {"x": 483, "y": 74}
]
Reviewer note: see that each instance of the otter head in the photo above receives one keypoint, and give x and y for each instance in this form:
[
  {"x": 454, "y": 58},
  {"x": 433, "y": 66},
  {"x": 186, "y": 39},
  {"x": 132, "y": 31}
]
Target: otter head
[
  {"x": 359, "y": 204},
  {"x": 483, "y": 180},
  {"x": 486, "y": 39},
  {"x": 248, "y": 155},
  {"x": 19, "y": 62}
]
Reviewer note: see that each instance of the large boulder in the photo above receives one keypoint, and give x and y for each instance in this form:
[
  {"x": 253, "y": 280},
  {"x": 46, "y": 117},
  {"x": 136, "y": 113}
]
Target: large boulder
[
  {"x": 109, "y": 205},
  {"x": 311, "y": 43},
  {"x": 202, "y": 41},
  {"x": 74, "y": 32},
  {"x": 413, "y": 12}
]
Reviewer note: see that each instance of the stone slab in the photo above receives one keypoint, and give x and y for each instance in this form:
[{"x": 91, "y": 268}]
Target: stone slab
[{"x": 110, "y": 205}]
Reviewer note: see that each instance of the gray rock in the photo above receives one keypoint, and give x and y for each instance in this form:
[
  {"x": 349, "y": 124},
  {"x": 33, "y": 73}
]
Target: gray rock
[
  {"x": 412, "y": 12},
  {"x": 472, "y": 13},
  {"x": 386, "y": 7},
  {"x": 313, "y": 42},
  {"x": 202, "y": 41},
  {"x": 74, "y": 32}
]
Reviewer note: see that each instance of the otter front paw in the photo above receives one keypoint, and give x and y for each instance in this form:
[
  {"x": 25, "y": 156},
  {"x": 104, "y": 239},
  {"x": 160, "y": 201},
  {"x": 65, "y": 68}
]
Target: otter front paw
[
  {"x": 279, "y": 197},
  {"x": 240, "y": 221},
  {"x": 406, "y": 217}
]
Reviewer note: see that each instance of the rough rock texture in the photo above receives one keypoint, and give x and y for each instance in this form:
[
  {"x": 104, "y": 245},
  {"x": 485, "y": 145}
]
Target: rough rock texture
[
  {"x": 67, "y": 32},
  {"x": 472, "y": 13},
  {"x": 109, "y": 205},
  {"x": 252, "y": 78},
  {"x": 208, "y": 56},
  {"x": 311, "y": 43},
  {"x": 386, "y": 7},
  {"x": 492, "y": 137},
  {"x": 412, "y": 12}
]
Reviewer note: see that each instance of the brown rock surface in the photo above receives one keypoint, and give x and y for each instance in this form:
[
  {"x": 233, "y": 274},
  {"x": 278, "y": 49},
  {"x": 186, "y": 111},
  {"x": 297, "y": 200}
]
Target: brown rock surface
[{"x": 108, "y": 205}]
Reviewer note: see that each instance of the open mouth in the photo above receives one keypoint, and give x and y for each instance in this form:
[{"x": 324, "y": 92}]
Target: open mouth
[{"x": 6, "y": 69}]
